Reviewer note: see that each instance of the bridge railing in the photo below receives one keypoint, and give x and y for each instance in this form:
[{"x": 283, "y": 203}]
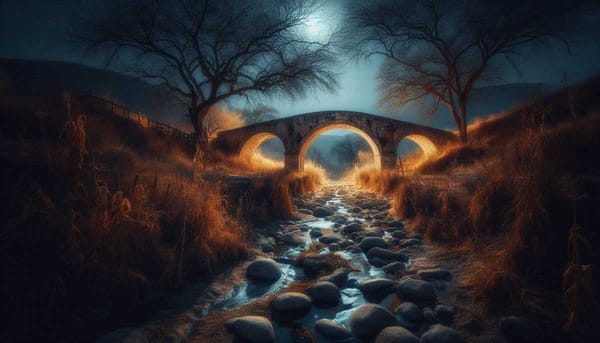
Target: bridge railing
[{"x": 98, "y": 105}]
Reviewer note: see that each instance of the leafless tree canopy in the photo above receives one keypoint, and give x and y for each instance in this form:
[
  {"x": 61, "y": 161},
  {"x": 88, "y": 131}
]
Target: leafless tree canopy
[
  {"x": 438, "y": 50},
  {"x": 208, "y": 51}
]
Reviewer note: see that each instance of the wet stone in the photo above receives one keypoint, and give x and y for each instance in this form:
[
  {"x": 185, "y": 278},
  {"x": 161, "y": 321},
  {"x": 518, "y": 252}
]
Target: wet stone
[
  {"x": 316, "y": 233},
  {"x": 290, "y": 305},
  {"x": 253, "y": 329},
  {"x": 267, "y": 248},
  {"x": 416, "y": 290},
  {"x": 371, "y": 242},
  {"x": 334, "y": 247},
  {"x": 339, "y": 277},
  {"x": 368, "y": 320},
  {"x": 441, "y": 334},
  {"x": 332, "y": 330},
  {"x": 396, "y": 334},
  {"x": 324, "y": 294},
  {"x": 410, "y": 311},
  {"x": 377, "y": 262},
  {"x": 351, "y": 228},
  {"x": 395, "y": 223},
  {"x": 293, "y": 238},
  {"x": 386, "y": 255},
  {"x": 429, "y": 315},
  {"x": 376, "y": 289},
  {"x": 264, "y": 269},
  {"x": 394, "y": 267},
  {"x": 329, "y": 239},
  {"x": 399, "y": 234},
  {"x": 321, "y": 212}
]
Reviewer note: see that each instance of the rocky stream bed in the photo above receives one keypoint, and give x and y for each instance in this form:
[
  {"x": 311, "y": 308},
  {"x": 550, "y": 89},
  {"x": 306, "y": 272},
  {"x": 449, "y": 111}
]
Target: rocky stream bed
[{"x": 345, "y": 271}]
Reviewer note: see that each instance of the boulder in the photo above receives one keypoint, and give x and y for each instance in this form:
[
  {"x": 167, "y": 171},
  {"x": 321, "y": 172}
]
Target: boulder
[
  {"x": 394, "y": 267},
  {"x": 290, "y": 305},
  {"x": 351, "y": 228},
  {"x": 434, "y": 274},
  {"x": 267, "y": 248},
  {"x": 374, "y": 232},
  {"x": 377, "y": 262},
  {"x": 376, "y": 289},
  {"x": 410, "y": 311},
  {"x": 253, "y": 329},
  {"x": 338, "y": 277},
  {"x": 371, "y": 242},
  {"x": 416, "y": 290},
  {"x": 321, "y": 212},
  {"x": 316, "y": 233},
  {"x": 334, "y": 247},
  {"x": 329, "y": 239},
  {"x": 324, "y": 294},
  {"x": 264, "y": 269},
  {"x": 293, "y": 238},
  {"x": 396, "y": 334},
  {"x": 519, "y": 329},
  {"x": 429, "y": 315},
  {"x": 441, "y": 334},
  {"x": 367, "y": 321},
  {"x": 332, "y": 330},
  {"x": 386, "y": 255}
]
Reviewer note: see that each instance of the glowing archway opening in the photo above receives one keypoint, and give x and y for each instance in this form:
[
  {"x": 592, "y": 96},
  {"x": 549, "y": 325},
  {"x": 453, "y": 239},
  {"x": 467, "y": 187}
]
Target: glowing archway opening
[
  {"x": 429, "y": 149},
  {"x": 309, "y": 139},
  {"x": 249, "y": 150}
]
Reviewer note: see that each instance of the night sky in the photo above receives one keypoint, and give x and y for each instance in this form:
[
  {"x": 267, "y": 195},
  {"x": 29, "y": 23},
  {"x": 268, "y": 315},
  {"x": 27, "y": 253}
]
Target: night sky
[{"x": 37, "y": 29}]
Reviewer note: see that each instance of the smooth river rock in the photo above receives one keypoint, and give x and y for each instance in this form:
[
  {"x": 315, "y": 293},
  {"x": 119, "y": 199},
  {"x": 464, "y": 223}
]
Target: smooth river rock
[
  {"x": 332, "y": 330},
  {"x": 441, "y": 334},
  {"x": 351, "y": 228},
  {"x": 410, "y": 311},
  {"x": 339, "y": 277},
  {"x": 416, "y": 290},
  {"x": 376, "y": 289},
  {"x": 396, "y": 334},
  {"x": 264, "y": 269},
  {"x": 368, "y": 320},
  {"x": 253, "y": 329},
  {"x": 394, "y": 267},
  {"x": 368, "y": 243},
  {"x": 324, "y": 294},
  {"x": 386, "y": 255},
  {"x": 321, "y": 212},
  {"x": 290, "y": 305}
]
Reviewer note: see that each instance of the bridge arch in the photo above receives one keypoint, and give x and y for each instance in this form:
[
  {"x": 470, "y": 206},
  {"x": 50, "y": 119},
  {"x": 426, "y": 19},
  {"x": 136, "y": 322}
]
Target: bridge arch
[
  {"x": 310, "y": 137},
  {"x": 427, "y": 145},
  {"x": 252, "y": 144}
]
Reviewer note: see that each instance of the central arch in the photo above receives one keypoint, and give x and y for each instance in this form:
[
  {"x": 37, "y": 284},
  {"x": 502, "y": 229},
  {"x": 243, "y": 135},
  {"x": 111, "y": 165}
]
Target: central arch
[{"x": 306, "y": 141}]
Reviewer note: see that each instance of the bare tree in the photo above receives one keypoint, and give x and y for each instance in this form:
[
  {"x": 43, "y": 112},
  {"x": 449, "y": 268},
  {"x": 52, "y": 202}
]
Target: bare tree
[
  {"x": 259, "y": 114},
  {"x": 347, "y": 150},
  {"x": 209, "y": 51},
  {"x": 220, "y": 118},
  {"x": 436, "y": 51}
]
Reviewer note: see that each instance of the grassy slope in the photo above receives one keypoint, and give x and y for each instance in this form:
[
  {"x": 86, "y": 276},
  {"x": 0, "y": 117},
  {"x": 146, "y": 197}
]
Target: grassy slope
[
  {"x": 526, "y": 187},
  {"x": 99, "y": 219}
]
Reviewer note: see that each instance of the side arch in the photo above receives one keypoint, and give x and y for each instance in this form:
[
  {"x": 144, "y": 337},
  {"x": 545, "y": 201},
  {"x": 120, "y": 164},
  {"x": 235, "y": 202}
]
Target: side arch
[
  {"x": 251, "y": 144},
  {"x": 310, "y": 137},
  {"x": 427, "y": 145}
]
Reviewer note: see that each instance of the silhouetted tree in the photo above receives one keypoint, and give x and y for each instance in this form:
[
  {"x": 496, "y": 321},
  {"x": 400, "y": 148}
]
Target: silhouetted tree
[
  {"x": 346, "y": 150},
  {"x": 209, "y": 51},
  {"x": 438, "y": 50}
]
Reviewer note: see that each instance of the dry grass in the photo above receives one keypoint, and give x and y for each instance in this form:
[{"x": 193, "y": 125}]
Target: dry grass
[{"x": 125, "y": 224}]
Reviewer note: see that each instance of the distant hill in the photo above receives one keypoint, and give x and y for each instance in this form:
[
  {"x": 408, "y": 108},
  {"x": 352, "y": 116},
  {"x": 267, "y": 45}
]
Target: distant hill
[{"x": 41, "y": 78}]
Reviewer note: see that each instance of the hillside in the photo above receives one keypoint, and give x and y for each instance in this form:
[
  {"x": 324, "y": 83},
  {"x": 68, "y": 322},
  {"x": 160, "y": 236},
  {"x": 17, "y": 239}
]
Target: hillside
[{"x": 21, "y": 78}]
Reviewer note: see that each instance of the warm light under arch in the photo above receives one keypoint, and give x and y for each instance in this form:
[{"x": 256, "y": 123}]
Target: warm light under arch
[{"x": 309, "y": 139}]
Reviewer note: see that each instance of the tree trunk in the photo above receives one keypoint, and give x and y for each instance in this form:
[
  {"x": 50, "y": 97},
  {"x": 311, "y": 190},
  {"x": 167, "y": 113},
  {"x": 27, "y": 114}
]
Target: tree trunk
[
  {"x": 197, "y": 116},
  {"x": 463, "y": 122}
]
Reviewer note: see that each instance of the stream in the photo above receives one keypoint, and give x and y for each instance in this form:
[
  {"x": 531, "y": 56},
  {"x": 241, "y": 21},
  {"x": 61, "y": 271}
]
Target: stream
[{"x": 352, "y": 216}]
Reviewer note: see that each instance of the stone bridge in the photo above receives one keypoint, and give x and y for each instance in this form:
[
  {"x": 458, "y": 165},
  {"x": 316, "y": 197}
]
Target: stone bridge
[{"x": 297, "y": 132}]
